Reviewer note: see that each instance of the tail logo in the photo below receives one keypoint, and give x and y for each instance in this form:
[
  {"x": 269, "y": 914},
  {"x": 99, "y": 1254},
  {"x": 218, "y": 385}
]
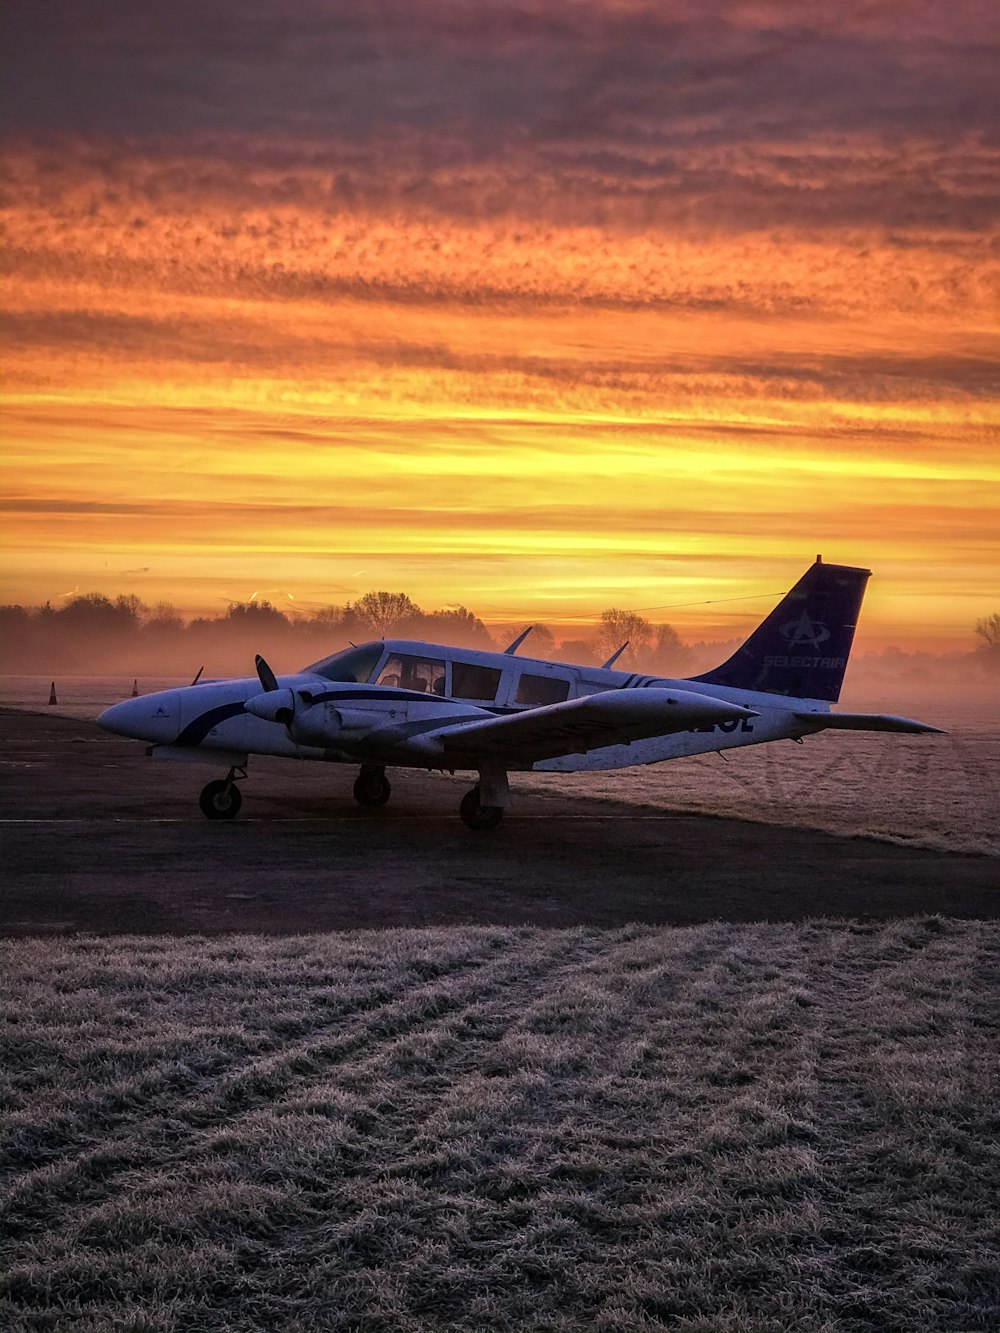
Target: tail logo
[{"x": 804, "y": 631}]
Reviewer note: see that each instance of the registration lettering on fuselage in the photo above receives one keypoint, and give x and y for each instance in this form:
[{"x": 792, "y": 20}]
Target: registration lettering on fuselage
[{"x": 734, "y": 724}]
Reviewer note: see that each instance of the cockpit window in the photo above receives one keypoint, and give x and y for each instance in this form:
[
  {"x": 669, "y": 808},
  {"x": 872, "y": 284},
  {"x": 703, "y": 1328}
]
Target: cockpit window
[
  {"x": 424, "y": 674},
  {"x": 353, "y": 664}
]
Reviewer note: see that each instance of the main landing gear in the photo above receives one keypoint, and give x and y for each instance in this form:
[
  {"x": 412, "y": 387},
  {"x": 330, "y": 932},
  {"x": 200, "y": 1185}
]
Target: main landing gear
[
  {"x": 483, "y": 807},
  {"x": 477, "y": 816},
  {"x": 372, "y": 787},
  {"x": 221, "y": 799}
]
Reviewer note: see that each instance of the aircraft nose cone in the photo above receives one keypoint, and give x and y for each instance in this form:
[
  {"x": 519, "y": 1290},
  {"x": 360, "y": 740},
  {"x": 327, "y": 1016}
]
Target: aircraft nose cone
[{"x": 153, "y": 717}]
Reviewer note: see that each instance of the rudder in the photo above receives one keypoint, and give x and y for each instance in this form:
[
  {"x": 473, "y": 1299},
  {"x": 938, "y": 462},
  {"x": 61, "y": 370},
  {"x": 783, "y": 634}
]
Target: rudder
[{"x": 801, "y": 648}]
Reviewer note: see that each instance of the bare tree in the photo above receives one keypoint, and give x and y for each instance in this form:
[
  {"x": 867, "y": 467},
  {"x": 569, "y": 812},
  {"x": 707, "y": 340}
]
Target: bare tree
[
  {"x": 163, "y": 618},
  {"x": 255, "y": 615},
  {"x": 94, "y": 613},
  {"x": 988, "y": 634},
  {"x": 988, "y": 629},
  {"x": 669, "y": 654},
  {"x": 458, "y": 626},
  {"x": 382, "y": 612},
  {"x": 540, "y": 642},
  {"x": 580, "y": 651},
  {"x": 130, "y": 608},
  {"x": 617, "y": 626}
]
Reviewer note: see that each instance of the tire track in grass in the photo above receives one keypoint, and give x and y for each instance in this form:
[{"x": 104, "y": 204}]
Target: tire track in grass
[
  {"x": 354, "y": 1230},
  {"x": 908, "y": 1139},
  {"x": 626, "y": 1129},
  {"x": 637, "y": 1189},
  {"x": 735, "y": 1149},
  {"x": 472, "y": 1180},
  {"x": 179, "y": 1089},
  {"x": 122, "y": 1224},
  {"x": 238, "y": 1091},
  {"x": 541, "y": 1196}
]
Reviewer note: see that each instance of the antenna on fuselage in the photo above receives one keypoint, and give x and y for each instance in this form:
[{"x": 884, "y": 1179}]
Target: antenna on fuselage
[
  {"x": 614, "y": 656},
  {"x": 512, "y": 648}
]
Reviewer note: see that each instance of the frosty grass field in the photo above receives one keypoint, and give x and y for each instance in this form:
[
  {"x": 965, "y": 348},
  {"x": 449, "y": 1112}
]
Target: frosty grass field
[{"x": 764, "y": 1127}]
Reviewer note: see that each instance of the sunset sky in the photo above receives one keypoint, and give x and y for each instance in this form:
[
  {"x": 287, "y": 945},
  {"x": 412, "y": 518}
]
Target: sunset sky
[{"x": 535, "y": 307}]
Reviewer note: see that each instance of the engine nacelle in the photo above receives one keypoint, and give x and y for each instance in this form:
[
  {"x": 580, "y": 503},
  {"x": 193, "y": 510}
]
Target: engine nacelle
[
  {"x": 323, "y": 725},
  {"x": 272, "y": 705}
]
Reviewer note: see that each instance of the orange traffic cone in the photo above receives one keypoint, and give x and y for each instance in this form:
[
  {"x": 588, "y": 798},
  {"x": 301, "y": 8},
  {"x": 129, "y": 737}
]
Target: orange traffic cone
[
  {"x": 52, "y": 694},
  {"x": 135, "y": 689}
]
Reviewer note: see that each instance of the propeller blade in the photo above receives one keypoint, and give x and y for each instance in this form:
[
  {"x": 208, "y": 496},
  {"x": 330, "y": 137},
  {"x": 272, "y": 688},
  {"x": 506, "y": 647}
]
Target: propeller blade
[{"x": 268, "y": 679}]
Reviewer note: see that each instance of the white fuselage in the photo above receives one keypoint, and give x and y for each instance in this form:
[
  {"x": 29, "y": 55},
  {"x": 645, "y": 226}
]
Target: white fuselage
[{"x": 209, "y": 722}]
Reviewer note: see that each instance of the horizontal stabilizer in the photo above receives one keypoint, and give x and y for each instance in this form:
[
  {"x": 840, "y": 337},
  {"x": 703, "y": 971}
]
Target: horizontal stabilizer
[
  {"x": 863, "y": 722},
  {"x": 611, "y": 717}
]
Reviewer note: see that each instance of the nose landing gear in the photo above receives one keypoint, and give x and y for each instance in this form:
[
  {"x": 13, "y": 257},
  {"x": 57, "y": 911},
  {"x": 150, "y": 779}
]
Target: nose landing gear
[{"x": 221, "y": 799}]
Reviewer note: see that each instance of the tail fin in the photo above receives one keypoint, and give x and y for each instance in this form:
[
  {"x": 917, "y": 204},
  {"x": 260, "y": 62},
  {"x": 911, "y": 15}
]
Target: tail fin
[{"x": 801, "y": 649}]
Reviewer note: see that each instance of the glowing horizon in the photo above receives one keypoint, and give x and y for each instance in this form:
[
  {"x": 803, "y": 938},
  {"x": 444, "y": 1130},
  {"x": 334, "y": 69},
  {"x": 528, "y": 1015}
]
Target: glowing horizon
[{"x": 591, "y": 342}]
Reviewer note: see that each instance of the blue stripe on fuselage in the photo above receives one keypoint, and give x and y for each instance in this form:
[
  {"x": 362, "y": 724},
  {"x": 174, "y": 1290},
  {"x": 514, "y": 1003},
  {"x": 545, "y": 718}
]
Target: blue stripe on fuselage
[
  {"x": 197, "y": 729},
  {"x": 410, "y": 696},
  {"x": 375, "y": 692}
]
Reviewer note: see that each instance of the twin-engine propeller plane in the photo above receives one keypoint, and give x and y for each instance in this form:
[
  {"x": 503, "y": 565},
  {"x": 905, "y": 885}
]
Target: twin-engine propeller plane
[{"x": 401, "y": 704}]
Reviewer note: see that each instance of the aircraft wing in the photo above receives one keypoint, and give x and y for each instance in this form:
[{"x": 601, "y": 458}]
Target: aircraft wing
[
  {"x": 863, "y": 722},
  {"x": 612, "y": 717}
]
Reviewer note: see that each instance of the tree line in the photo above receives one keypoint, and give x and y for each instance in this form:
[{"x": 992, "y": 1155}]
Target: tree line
[{"x": 94, "y": 633}]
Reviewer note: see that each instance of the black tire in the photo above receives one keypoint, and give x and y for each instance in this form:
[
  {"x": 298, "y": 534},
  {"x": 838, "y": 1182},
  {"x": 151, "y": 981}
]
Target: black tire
[
  {"x": 220, "y": 800},
  {"x": 476, "y": 816},
  {"x": 372, "y": 789}
]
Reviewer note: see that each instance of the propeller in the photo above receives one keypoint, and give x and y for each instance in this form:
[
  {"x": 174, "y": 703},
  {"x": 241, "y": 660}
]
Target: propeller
[
  {"x": 280, "y": 708},
  {"x": 268, "y": 680},
  {"x": 315, "y": 725}
]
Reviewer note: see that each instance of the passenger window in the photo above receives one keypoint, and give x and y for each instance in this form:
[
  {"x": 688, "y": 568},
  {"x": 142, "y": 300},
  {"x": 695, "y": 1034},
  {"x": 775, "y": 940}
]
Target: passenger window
[
  {"x": 541, "y": 690},
  {"x": 423, "y": 674},
  {"x": 469, "y": 681}
]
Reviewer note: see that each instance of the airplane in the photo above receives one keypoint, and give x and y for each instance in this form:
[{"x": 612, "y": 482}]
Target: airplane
[{"x": 397, "y": 703}]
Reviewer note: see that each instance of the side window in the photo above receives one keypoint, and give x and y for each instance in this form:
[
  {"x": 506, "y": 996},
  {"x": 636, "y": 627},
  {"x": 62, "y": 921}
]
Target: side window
[
  {"x": 541, "y": 690},
  {"x": 469, "y": 681},
  {"x": 423, "y": 674}
]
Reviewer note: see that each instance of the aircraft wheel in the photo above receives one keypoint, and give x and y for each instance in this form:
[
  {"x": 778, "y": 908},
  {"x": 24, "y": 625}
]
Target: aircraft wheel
[
  {"x": 220, "y": 800},
  {"x": 476, "y": 816},
  {"x": 372, "y": 789}
]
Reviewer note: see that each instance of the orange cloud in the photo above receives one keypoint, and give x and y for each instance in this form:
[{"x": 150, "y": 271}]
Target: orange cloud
[{"x": 650, "y": 310}]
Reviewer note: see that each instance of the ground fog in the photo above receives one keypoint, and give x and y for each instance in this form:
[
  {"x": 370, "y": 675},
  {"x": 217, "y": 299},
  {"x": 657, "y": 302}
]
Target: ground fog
[
  {"x": 744, "y": 1127},
  {"x": 937, "y": 791}
]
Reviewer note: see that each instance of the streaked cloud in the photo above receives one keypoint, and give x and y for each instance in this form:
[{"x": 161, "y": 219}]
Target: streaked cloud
[{"x": 504, "y": 301}]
